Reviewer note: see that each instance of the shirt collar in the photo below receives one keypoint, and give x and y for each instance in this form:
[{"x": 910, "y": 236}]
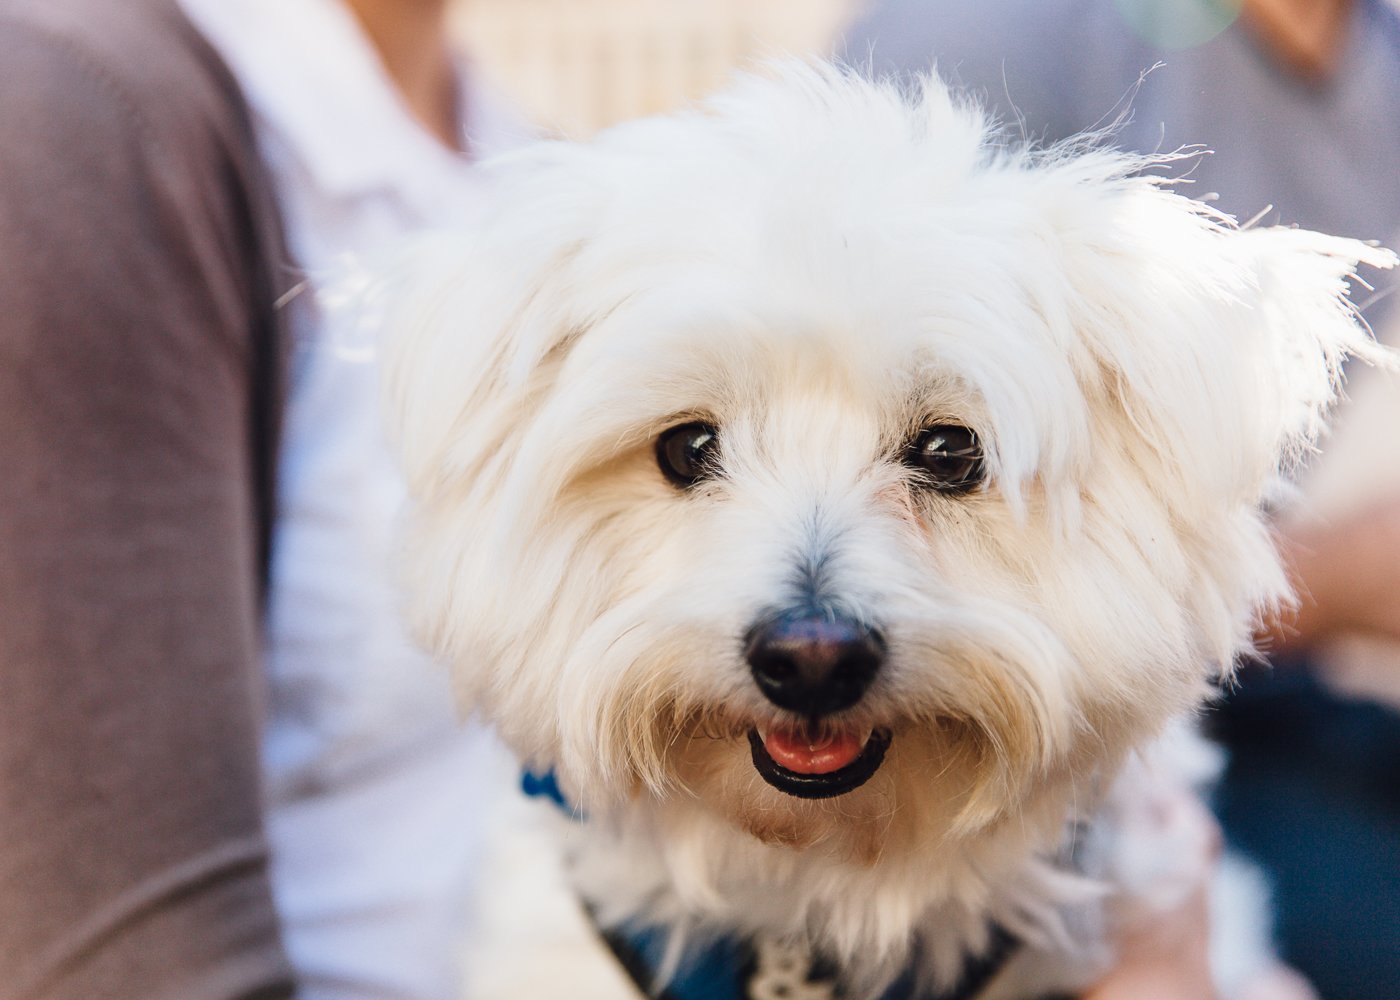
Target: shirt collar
[{"x": 314, "y": 79}]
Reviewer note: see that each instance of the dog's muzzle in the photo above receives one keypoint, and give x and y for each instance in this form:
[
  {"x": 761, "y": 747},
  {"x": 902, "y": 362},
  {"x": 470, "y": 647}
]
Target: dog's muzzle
[{"x": 815, "y": 664}]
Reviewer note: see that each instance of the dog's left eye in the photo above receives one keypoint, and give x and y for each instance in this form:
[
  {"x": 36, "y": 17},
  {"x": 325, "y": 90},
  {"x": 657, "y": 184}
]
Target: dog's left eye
[
  {"x": 688, "y": 453},
  {"x": 949, "y": 456}
]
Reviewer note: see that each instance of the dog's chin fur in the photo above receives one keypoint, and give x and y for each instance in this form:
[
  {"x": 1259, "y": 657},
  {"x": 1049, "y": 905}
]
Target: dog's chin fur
[{"x": 821, "y": 266}]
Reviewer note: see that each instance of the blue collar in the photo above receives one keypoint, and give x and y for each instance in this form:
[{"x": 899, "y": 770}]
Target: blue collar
[{"x": 733, "y": 969}]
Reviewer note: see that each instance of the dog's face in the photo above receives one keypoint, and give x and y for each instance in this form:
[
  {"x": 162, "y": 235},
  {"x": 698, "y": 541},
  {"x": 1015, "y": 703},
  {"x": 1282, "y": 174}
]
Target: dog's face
[{"x": 811, "y": 465}]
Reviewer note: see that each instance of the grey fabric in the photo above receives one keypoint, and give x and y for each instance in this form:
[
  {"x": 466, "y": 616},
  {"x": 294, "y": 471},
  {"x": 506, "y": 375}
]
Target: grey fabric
[
  {"x": 1324, "y": 156},
  {"x": 138, "y": 401}
]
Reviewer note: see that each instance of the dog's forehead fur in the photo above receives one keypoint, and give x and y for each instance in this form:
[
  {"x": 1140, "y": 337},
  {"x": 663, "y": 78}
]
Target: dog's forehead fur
[
  {"x": 783, "y": 223},
  {"x": 820, "y": 266}
]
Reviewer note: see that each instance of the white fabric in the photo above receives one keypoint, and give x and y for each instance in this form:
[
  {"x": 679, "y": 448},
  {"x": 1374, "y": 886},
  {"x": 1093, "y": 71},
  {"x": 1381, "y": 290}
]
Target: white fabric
[{"x": 373, "y": 807}]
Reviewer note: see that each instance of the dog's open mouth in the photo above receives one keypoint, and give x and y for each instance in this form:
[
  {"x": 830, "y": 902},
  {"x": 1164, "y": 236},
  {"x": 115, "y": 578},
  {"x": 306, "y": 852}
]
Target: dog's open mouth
[{"x": 808, "y": 766}]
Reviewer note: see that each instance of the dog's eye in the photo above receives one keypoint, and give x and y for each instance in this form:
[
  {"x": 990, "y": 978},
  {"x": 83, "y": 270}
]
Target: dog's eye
[
  {"x": 688, "y": 453},
  {"x": 949, "y": 456}
]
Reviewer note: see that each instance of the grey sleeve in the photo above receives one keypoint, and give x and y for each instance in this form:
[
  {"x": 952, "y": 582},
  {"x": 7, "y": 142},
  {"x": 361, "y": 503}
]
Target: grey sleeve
[{"x": 132, "y": 859}]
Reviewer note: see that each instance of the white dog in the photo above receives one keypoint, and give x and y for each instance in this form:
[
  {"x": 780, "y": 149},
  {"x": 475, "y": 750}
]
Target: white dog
[{"x": 847, "y": 506}]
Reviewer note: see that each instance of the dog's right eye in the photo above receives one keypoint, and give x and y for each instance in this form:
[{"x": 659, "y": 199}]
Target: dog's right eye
[
  {"x": 688, "y": 453},
  {"x": 949, "y": 456}
]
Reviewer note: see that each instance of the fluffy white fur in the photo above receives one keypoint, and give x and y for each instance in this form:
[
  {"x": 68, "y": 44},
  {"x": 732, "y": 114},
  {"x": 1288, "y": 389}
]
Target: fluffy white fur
[{"x": 821, "y": 266}]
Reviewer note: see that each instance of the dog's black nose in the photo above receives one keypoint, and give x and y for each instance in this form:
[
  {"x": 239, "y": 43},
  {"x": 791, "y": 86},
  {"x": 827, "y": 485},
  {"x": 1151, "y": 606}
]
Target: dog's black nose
[{"x": 814, "y": 663}]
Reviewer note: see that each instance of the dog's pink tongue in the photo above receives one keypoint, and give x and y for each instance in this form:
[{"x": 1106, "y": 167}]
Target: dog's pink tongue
[{"x": 799, "y": 751}]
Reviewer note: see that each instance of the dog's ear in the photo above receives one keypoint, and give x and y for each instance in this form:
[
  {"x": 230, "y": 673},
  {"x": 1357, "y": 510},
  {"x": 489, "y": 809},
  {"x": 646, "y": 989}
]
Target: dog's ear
[
  {"x": 1299, "y": 288},
  {"x": 473, "y": 319},
  {"x": 1222, "y": 346},
  {"x": 1209, "y": 355}
]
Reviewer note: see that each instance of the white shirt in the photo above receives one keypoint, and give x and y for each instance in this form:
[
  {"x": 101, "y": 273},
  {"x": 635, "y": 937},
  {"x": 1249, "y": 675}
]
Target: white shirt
[{"x": 372, "y": 802}]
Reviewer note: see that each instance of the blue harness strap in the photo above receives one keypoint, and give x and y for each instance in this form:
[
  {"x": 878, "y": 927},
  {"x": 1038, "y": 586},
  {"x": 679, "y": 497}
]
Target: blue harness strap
[
  {"x": 545, "y": 786},
  {"x": 731, "y": 969},
  {"x": 717, "y": 972}
]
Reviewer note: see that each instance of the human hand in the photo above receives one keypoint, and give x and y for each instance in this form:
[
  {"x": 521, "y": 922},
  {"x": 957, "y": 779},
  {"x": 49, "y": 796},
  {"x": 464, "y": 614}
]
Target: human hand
[
  {"x": 1168, "y": 959},
  {"x": 1347, "y": 574},
  {"x": 1169, "y": 848},
  {"x": 1164, "y": 919},
  {"x": 1165, "y": 958}
]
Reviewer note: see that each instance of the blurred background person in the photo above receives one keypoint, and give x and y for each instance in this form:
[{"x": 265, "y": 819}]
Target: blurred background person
[{"x": 1296, "y": 99}]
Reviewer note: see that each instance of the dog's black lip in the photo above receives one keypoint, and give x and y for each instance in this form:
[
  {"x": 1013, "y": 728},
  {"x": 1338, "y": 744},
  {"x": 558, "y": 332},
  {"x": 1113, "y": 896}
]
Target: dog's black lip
[{"x": 821, "y": 786}]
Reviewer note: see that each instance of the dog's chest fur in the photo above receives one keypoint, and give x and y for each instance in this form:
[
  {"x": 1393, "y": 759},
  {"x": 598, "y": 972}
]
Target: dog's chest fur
[{"x": 533, "y": 936}]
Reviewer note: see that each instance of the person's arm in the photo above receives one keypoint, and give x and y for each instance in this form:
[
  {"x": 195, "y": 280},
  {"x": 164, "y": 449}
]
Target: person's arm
[
  {"x": 1347, "y": 576},
  {"x": 132, "y": 859}
]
